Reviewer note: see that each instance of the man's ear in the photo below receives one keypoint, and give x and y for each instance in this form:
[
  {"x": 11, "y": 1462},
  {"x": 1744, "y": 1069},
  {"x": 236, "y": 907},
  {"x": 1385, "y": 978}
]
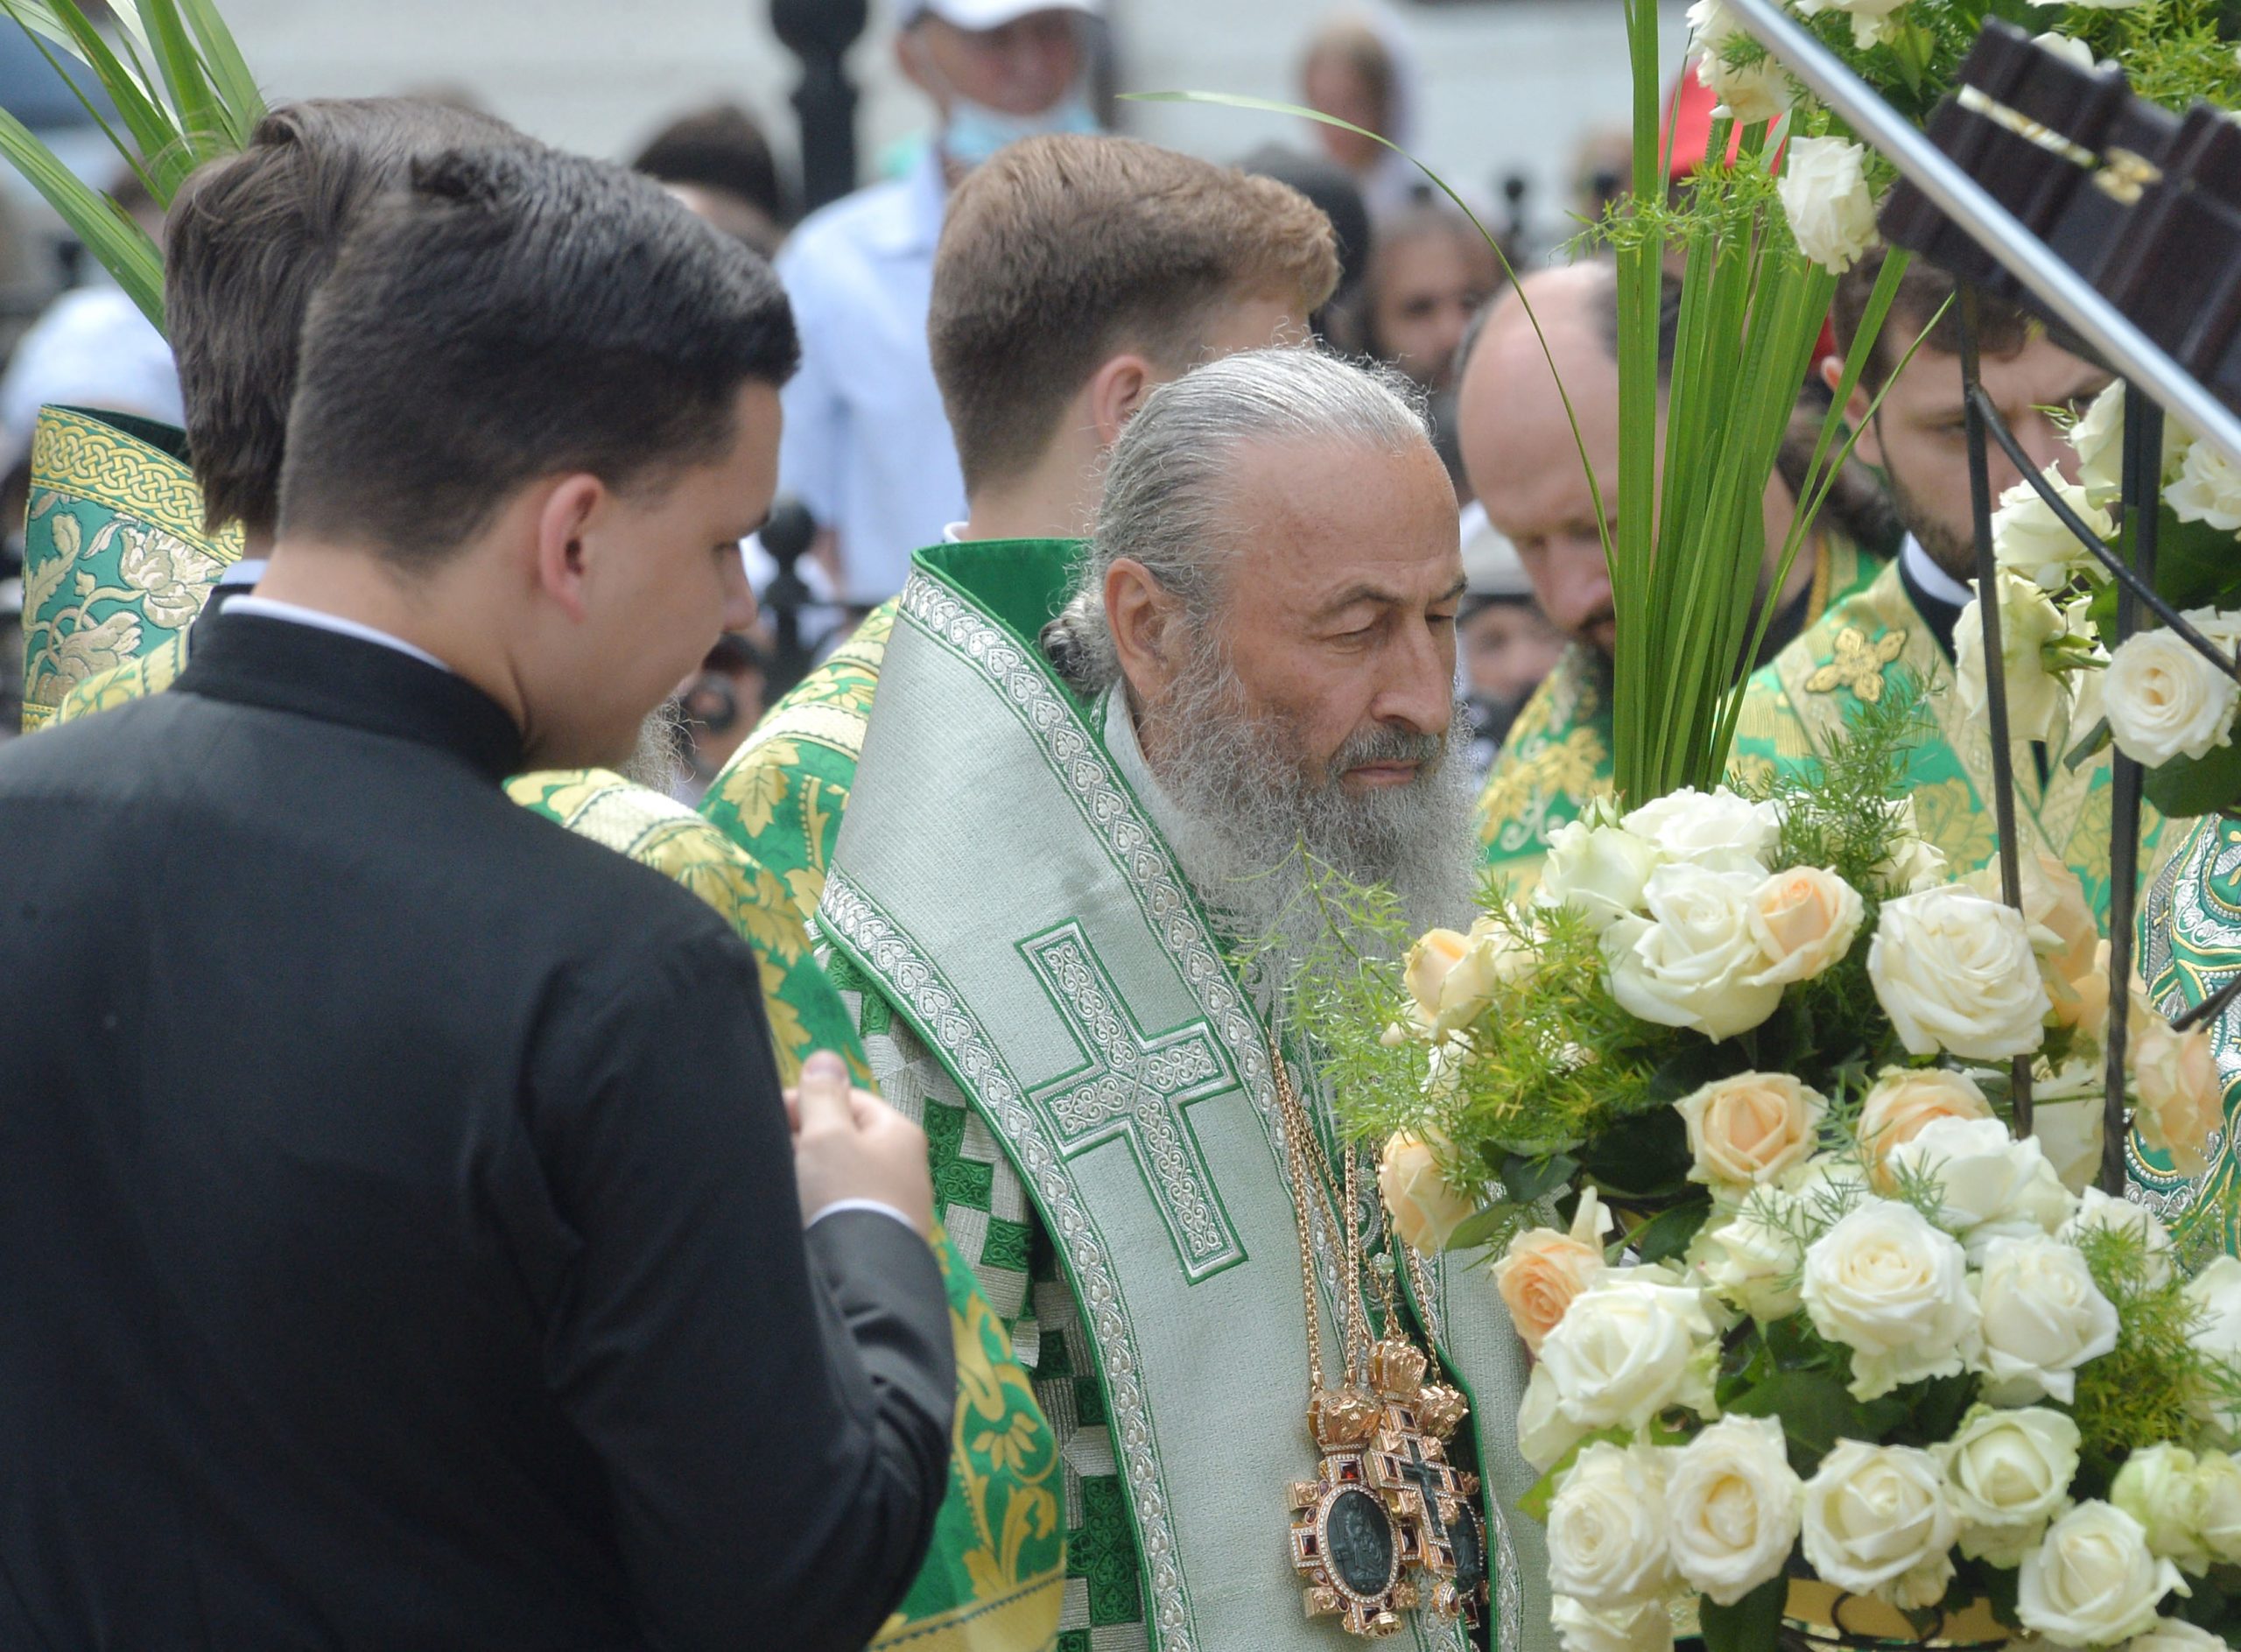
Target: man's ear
[
  {"x": 1143, "y": 614},
  {"x": 563, "y": 520},
  {"x": 1116, "y": 392},
  {"x": 910, "y": 58},
  {"x": 1869, "y": 448}
]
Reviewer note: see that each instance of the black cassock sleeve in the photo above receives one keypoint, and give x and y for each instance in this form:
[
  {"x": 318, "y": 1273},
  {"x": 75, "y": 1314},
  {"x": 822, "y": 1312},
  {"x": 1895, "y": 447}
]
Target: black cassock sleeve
[{"x": 773, "y": 1409}]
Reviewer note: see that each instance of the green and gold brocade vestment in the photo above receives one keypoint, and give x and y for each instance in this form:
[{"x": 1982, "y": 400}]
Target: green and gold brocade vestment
[
  {"x": 1036, "y": 978},
  {"x": 1556, "y": 759},
  {"x": 122, "y": 579},
  {"x": 782, "y": 797},
  {"x": 2189, "y": 947}
]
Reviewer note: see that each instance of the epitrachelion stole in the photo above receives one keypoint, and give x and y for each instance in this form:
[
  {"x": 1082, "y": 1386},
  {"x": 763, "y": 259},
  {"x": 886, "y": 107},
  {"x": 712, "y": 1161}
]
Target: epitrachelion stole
[{"x": 1006, "y": 893}]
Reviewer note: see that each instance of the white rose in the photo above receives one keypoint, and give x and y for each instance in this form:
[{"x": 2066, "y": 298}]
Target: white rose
[
  {"x": 2099, "y": 1210},
  {"x": 2037, "y": 699},
  {"x": 1734, "y": 1504},
  {"x": 2007, "y": 1473},
  {"x": 1824, "y": 195},
  {"x": 2218, "y": 1510},
  {"x": 2164, "y": 700},
  {"x": 1716, "y": 829},
  {"x": 1628, "y": 1347},
  {"x": 1913, "y": 863},
  {"x": 1597, "y": 869},
  {"x": 1878, "y": 1521},
  {"x": 2091, "y": 1580},
  {"x": 2098, "y": 441},
  {"x": 1955, "y": 972},
  {"x": 2175, "y": 1635},
  {"x": 1693, "y": 961},
  {"x": 2209, "y": 489},
  {"x": 1993, "y": 1186},
  {"x": 1749, "y": 1259},
  {"x": 2030, "y": 540},
  {"x": 2041, "y": 1317},
  {"x": 1755, "y": 92},
  {"x": 1646, "y": 1627},
  {"x": 1871, "y": 18},
  {"x": 2159, "y": 1487},
  {"x": 1894, "y": 1291},
  {"x": 1904, "y": 1101},
  {"x": 1746, "y": 1129},
  {"x": 1544, "y": 1433},
  {"x": 1607, "y": 1528},
  {"x": 2215, "y": 1294},
  {"x": 2069, "y": 1131}
]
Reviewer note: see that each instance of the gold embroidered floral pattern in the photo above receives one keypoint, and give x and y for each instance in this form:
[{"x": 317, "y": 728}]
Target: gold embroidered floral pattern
[{"x": 116, "y": 562}]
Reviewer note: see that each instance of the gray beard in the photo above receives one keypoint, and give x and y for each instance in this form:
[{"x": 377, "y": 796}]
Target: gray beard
[
  {"x": 655, "y": 763},
  {"x": 1256, "y": 832}
]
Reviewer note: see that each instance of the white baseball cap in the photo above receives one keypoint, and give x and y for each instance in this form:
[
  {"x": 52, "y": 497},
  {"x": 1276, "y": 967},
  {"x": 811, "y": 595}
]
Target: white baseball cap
[{"x": 982, "y": 15}]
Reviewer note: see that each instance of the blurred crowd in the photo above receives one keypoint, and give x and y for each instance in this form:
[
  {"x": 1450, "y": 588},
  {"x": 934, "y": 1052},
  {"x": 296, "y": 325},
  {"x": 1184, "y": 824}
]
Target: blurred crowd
[{"x": 869, "y": 460}]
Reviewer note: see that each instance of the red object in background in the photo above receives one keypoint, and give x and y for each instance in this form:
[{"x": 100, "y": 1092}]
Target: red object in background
[{"x": 1688, "y": 131}]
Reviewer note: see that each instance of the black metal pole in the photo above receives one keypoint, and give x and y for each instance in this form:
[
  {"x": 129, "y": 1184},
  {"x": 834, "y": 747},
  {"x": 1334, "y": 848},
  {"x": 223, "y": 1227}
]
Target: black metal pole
[
  {"x": 1980, "y": 502},
  {"x": 819, "y": 32},
  {"x": 2143, "y": 496}
]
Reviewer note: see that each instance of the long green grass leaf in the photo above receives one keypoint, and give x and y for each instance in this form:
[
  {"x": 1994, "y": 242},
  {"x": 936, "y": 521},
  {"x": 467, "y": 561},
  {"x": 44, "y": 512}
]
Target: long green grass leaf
[
  {"x": 121, "y": 246},
  {"x": 202, "y": 121},
  {"x": 235, "y": 87}
]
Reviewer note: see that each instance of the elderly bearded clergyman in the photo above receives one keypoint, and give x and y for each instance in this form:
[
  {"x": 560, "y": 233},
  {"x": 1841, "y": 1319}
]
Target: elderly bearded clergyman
[{"x": 1058, "y": 834}]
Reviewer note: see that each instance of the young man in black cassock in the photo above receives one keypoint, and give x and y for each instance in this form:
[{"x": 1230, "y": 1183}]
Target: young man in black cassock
[{"x": 401, "y": 1236}]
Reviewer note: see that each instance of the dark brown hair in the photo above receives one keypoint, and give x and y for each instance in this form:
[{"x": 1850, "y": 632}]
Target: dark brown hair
[
  {"x": 1060, "y": 251},
  {"x": 248, "y": 240},
  {"x": 517, "y": 313},
  {"x": 2002, "y": 330}
]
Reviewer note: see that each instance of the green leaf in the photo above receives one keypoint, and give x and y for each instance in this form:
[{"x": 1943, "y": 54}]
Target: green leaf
[
  {"x": 1528, "y": 1179},
  {"x": 1485, "y": 1226},
  {"x": 202, "y": 121},
  {"x": 236, "y": 87},
  {"x": 1752, "y": 1624},
  {"x": 2187, "y": 786},
  {"x": 2097, "y": 741},
  {"x": 121, "y": 246},
  {"x": 1814, "y": 1410},
  {"x": 1669, "y": 1233},
  {"x": 1644, "y": 1157}
]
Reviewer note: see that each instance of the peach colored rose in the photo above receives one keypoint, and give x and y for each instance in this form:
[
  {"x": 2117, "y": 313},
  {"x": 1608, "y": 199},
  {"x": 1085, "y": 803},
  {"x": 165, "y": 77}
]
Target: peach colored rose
[
  {"x": 1425, "y": 1207},
  {"x": 2064, "y": 932},
  {"x": 1748, "y": 1130},
  {"x": 1906, "y": 1100},
  {"x": 2181, "y": 1099},
  {"x": 1544, "y": 1269},
  {"x": 1431, "y": 960},
  {"x": 1805, "y": 919}
]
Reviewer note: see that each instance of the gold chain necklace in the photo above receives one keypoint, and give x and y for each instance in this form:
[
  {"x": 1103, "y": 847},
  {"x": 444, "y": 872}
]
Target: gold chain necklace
[{"x": 1388, "y": 1526}]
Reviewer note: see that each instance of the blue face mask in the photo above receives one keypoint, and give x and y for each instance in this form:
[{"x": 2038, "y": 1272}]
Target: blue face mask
[{"x": 975, "y": 131}]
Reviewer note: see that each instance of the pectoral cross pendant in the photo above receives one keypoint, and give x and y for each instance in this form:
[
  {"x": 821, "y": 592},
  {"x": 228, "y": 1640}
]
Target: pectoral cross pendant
[{"x": 1389, "y": 1525}]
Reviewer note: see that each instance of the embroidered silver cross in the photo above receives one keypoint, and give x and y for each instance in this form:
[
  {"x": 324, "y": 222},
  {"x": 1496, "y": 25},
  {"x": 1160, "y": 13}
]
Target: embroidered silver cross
[{"x": 1135, "y": 1088}]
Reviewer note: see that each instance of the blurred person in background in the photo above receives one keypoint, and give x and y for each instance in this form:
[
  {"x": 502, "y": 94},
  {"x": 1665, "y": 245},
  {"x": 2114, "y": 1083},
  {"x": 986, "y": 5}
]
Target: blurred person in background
[
  {"x": 866, "y": 447},
  {"x": 1358, "y": 68},
  {"x": 92, "y": 348},
  {"x": 718, "y": 162},
  {"x": 1519, "y": 444},
  {"x": 1504, "y": 644},
  {"x": 1429, "y": 273}
]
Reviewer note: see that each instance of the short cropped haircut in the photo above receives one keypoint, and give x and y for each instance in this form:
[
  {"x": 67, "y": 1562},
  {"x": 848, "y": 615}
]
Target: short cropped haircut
[
  {"x": 248, "y": 240},
  {"x": 518, "y": 314},
  {"x": 2002, "y": 330},
  {"x": 1061, "y": 251}
]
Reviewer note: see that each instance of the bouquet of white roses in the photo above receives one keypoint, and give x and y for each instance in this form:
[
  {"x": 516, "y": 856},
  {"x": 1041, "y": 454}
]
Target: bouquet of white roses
[
  {"x": 1907, "y": 1365},
  {"x": 1701, "y": 988}
]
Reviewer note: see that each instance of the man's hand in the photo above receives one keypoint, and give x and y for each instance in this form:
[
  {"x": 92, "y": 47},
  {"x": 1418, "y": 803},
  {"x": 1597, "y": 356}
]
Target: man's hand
[{"x": 850, "y": 1144}]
